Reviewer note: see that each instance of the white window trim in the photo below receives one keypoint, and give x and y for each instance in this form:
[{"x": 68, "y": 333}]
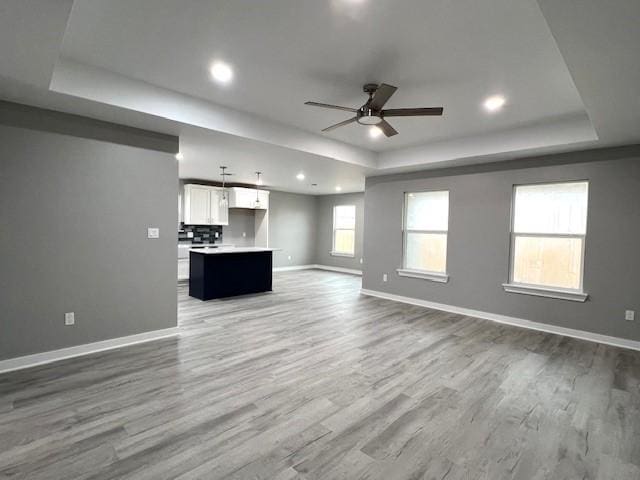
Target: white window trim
[
  {"x": 440, "y": 277},
  {"x": 538, "y": 291},
  {"x": 340, "y": 254},
  {"x": 333, "y": 251},
  {"x": 423, "y": 274},
  {"x": 576, "y": 295}
]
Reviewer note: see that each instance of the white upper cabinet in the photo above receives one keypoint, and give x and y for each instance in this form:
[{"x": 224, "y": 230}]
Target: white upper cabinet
[
  {"x": 202, "y": 206},
  {"x": 241, "y": 197},
  {"x": 219, "y": 209},
  {"x": 246, "y": 198},
  {"x": 197, "y": 205}
]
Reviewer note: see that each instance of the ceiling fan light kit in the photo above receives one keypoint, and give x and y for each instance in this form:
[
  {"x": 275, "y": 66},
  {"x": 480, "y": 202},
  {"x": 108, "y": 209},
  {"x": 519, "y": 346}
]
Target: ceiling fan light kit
[
  {"x": 372, "y": 113},
  {"x": 367, "y": 116}
]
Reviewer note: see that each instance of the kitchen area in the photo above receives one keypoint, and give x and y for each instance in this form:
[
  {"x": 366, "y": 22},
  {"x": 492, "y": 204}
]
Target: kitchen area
[{"x": 223, "y": 239}]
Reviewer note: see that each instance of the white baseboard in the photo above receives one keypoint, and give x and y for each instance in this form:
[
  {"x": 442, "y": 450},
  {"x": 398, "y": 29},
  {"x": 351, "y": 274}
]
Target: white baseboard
[
  {"x": 514, "y": 321},
  {"x": 352, "y": 271},
  {"x": 28, "y": 361},
  {"x": 318, "y": 267},
  {"x": 293, "y": 267}
]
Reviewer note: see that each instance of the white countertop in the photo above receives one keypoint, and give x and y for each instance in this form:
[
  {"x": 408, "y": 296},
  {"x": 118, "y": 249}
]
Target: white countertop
[
  {"x": 191, "y": 245},
  {"x": 213, "y": 251}
]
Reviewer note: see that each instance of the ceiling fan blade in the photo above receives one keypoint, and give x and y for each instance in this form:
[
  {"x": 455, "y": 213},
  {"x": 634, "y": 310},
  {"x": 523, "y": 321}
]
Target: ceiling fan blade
[
  {"x": 382, "y": 96},
  {"x": 334, "y": 107},
  {"x": 412, "y": 112},
  {"x": 346, "y": 122},
  {"x": 387, "y": 129}
]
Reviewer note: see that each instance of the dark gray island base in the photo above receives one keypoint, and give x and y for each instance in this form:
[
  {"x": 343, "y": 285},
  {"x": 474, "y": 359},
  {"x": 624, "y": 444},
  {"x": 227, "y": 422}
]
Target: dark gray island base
[{"x": 227, "y": 272}]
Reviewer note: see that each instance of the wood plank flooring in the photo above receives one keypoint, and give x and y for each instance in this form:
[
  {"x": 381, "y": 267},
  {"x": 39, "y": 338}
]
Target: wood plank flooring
[{"x": 315, "y": 381}]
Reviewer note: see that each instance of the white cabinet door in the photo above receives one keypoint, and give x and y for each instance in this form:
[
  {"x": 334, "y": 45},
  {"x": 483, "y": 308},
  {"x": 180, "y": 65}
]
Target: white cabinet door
[
  {"x": 242, "y": 197},
  {"x": 197, "y": 205},
  {"x": 219, "y": 213}
]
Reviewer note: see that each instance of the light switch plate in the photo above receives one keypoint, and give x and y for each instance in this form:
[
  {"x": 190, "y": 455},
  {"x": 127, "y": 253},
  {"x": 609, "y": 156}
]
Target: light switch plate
[
  {"x": 69, "y": 318},
  {"x": 630, "y": 315},
  {"x": 153, "y": 232}
]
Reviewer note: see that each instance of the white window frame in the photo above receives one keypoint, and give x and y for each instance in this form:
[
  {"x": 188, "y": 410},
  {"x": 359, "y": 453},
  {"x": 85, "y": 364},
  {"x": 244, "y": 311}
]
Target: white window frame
[
  {"x": 577, "y": 294},
  {"x": 333, "y": 240},
  {"x": 439, "y": 277}
]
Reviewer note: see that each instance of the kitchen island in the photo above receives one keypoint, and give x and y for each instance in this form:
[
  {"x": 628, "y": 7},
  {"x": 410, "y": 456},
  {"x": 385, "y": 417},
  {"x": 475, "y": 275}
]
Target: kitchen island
[{"x": 229, "y": 271}]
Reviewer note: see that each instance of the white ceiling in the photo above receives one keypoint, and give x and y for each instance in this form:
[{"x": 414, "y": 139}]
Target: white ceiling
[
  {"x": 205, "y": 151},
  {"x": 284, "y": 52},
  {"x": 569, "y": 69},
  {"x": 30, "y": 37},
  {"x": 600, "y": 42}
]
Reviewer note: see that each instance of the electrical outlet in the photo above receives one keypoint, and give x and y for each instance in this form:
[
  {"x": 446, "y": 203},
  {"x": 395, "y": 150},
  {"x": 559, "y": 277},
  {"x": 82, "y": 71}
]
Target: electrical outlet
[
  {"x": 153, "y": 232},
  {"x": 244, "y": 234},
  {"x": 190, "y": 234},
  {"x": 384, "y": 277},
  {"x": 289, "y": 257},
  {"x": 630, "y": 315},
  {"x": 69, "y": 318}
]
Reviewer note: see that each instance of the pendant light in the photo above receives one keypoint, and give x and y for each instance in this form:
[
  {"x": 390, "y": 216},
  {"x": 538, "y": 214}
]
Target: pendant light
[
  {"x": 258, "y": 183},
  {"x": 224, "y": 201}
]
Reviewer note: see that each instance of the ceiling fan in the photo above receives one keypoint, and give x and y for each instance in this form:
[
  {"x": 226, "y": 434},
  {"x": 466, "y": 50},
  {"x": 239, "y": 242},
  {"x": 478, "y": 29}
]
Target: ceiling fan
[{"x": 372, "y": 113}]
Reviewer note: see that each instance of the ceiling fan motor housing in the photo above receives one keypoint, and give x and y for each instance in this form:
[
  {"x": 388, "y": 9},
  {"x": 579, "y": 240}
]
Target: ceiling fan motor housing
[{"x": 370, "y": 88}]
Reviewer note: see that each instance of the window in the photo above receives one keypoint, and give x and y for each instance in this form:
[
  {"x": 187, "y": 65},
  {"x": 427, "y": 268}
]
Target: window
[
  {"x": 425, "y": 231},
  {"x": 548, "y": 233},
  {"x": 344, "y": 230}
]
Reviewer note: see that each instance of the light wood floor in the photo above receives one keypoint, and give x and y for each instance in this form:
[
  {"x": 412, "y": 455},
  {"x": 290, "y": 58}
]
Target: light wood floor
[{"x": 315, "y": 381}]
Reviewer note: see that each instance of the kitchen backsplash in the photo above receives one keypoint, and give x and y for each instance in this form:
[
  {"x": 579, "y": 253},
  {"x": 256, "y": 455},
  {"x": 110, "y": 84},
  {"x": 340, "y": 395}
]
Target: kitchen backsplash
[{"x": 201, "y": 233}]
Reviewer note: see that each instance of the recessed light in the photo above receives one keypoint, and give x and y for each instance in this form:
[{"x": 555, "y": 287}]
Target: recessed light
[
  {"x": 494, "y": 103},
  {"x": 338, "y": 188},
  {"x": 375, "y": 132},
  {"x": 300, "y": 176},
  {"x": 179, "y": 156},
  {"x": 221, "y": 72}
]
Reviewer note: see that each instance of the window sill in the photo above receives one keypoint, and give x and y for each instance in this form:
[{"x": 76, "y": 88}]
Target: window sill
[
  {"x": 338, "y": 254},
  {"x": 545, "y": 292},
  {"x": 432, "y": 276}
]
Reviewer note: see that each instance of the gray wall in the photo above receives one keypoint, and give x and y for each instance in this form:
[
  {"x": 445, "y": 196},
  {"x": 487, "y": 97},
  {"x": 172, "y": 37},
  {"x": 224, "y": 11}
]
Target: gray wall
[
  {"x": 24, "y": 116},
  {"x": 73, "y": 216},
  {"x": 324, "y": 240},
  {"x": 479, "y": 232},
  {"x": 240, "y": 221},
  {"x": 292, "y": 227}
]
